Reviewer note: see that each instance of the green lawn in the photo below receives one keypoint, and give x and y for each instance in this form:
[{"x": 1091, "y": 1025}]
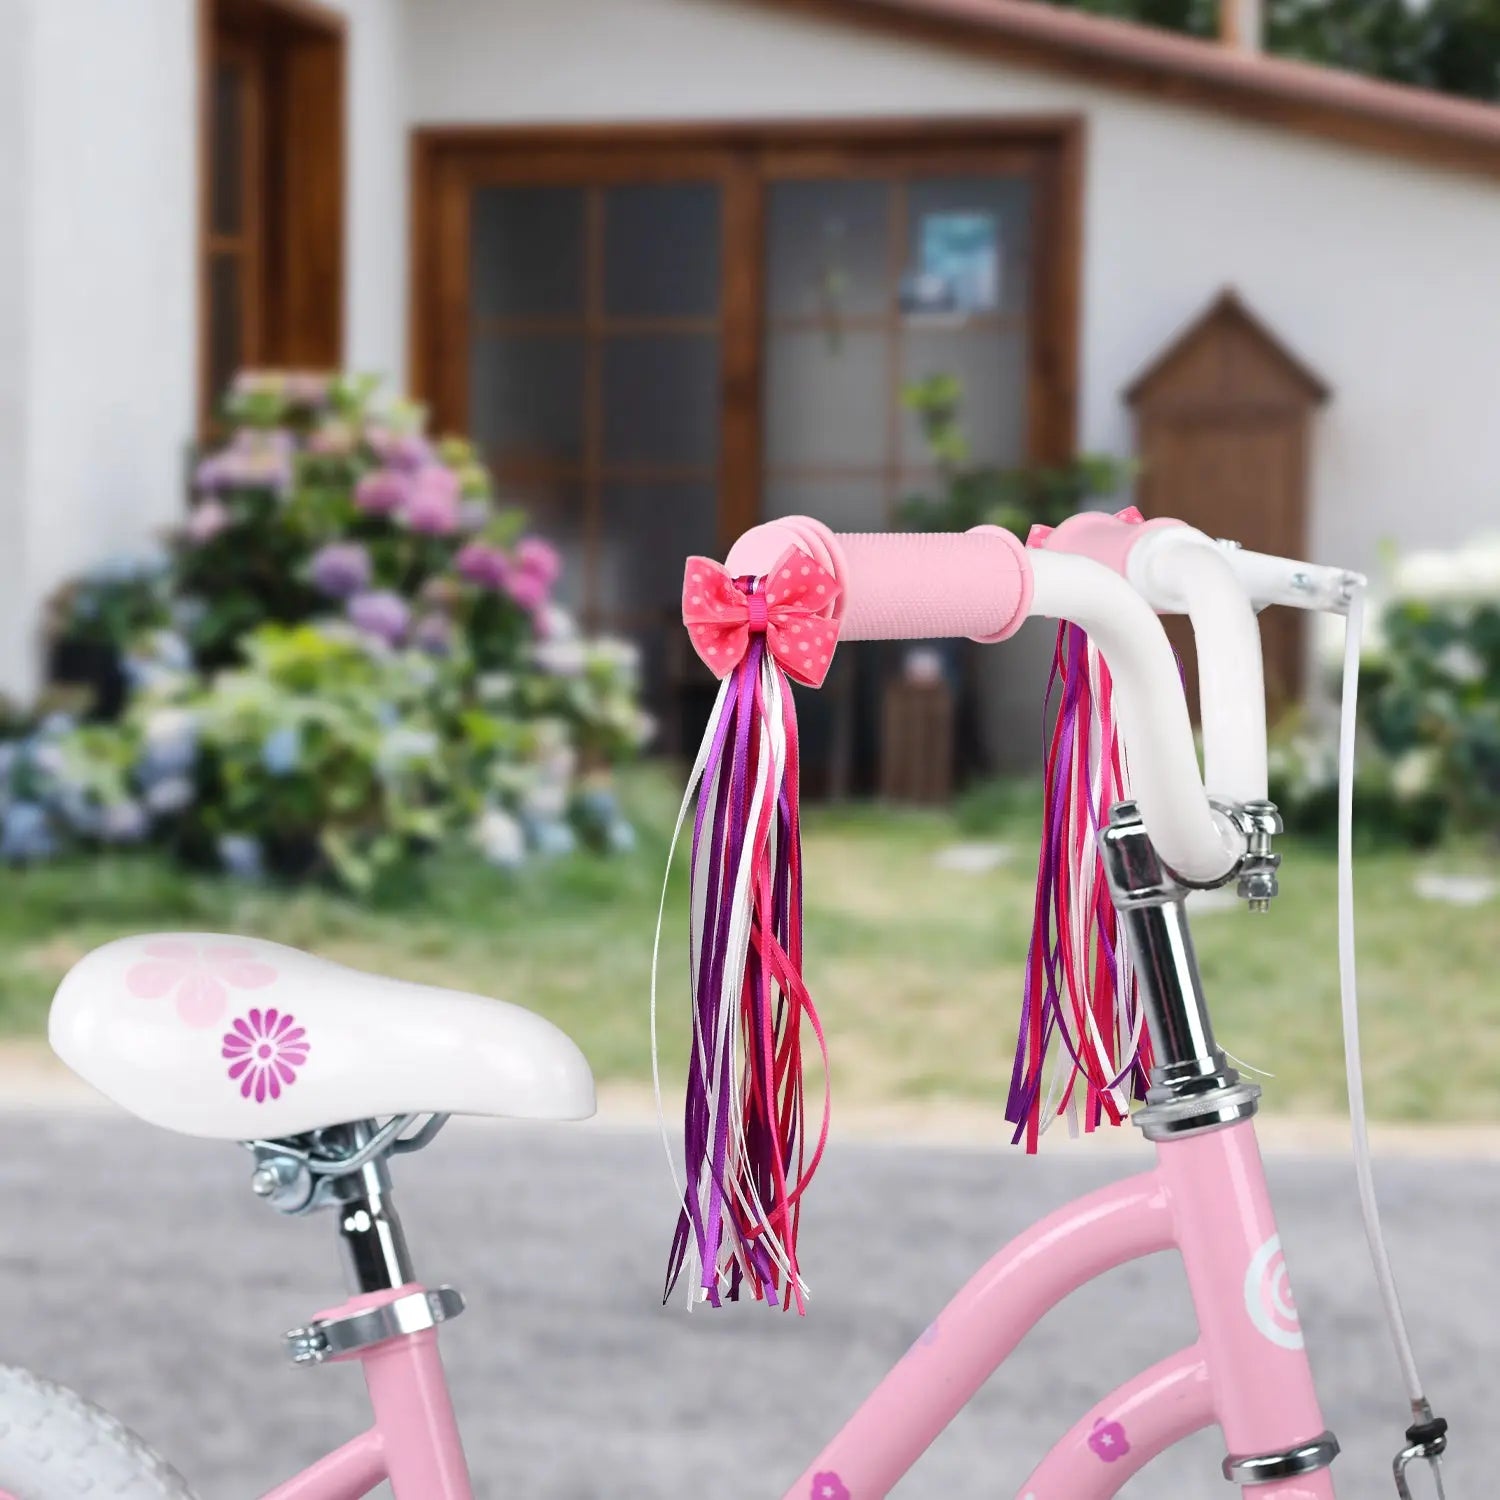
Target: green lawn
[{"x": 916, "y": 969}]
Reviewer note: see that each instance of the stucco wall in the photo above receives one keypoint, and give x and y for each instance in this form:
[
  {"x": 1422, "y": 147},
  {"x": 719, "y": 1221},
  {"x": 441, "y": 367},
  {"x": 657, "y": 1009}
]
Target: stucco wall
[
  {"x": 1381, "y": 274},
  {"x": 101, "y": 365},
  {"x": 375, "y": 291},
  {"x": 15, "y": 268},
  {"x": 98, "y": 276}
]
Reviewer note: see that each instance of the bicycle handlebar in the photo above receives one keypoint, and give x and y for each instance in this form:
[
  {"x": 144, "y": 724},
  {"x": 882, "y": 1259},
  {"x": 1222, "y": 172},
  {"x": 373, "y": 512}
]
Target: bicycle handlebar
[{"x": 984, "y": 584}]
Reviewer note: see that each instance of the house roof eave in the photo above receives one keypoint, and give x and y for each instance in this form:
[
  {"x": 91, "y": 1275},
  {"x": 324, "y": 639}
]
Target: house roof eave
[{"x": 1438, "y": 130}]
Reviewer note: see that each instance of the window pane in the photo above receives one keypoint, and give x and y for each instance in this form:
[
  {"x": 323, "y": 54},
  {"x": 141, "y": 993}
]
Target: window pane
[
  {"x": 526, "y": 397},
  {"x": 828, "y": 248},
  {"x": 646, "y": 533},
  {"x": 227, "y": 150},
  {"x": 527, "y": 245},
  {"x": 661, "y": 250},
  {"x": 990, "y": 364},
  {"x": 226, "y": 332},
  {"x": 555, "y": 510},
  {"x": 827, "y": 397},
  {"x": 969, "y": 244},
  {"x": 841, "y": 504},
  {"x": 662, "y": 399}
]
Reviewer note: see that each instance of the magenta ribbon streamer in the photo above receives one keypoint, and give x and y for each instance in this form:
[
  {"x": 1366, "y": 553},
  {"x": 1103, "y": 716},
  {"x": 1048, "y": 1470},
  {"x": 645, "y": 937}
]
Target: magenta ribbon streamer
[
  {"x": 706, "y": 1139},
  {"x": 1070, "y": 671}
]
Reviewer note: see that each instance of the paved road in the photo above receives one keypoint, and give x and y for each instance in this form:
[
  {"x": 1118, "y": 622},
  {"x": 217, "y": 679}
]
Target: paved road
[{"x": 136, "y": 1267}]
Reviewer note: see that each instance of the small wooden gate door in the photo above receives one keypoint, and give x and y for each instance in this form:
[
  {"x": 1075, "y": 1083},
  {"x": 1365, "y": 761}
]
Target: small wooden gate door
[{"x": 1224, "y": 427}]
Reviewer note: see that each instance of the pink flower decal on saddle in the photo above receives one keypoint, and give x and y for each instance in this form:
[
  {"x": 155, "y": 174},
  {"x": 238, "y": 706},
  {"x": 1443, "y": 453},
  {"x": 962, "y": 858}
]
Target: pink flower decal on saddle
[
  {"x": 264, "y": 1050},
  {"x": 199, "y": 976},
  {"x": 828, "y": 1486},
  {"x": 787, "y": 607}
]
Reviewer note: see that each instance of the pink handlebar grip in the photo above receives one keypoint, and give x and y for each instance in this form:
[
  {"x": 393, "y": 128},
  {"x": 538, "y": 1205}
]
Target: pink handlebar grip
[
  {"x": 906, "y": 585},
  {"x": 1107, "y": 539}
]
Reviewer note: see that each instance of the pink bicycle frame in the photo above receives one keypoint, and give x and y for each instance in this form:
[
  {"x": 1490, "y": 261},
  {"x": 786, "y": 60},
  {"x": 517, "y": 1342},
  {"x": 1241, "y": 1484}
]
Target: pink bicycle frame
[
  {"x": 1248, "y": 1370},
  {"x": 414, "y": 1441}
]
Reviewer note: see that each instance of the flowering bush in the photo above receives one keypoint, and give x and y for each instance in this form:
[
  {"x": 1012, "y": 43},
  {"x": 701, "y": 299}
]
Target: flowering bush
[
  {"x": 1429, "y": 756},
  {"x": 1433, "y": 678},
  {"x": 350, "y": 654}
]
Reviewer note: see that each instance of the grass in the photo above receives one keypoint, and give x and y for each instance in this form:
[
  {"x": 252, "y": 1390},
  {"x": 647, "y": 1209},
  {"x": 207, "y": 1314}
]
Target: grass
[{"x": 916, "y": 969}]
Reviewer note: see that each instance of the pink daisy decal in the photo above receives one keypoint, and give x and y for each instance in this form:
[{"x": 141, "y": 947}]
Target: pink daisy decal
[
  {"x": 264, "y": 1051},
  {"x": 199, "y": 976},
  {"x": 828, "y": 1486}
]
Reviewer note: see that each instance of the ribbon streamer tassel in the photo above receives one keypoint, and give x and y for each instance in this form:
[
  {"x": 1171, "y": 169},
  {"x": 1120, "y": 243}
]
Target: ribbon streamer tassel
[
  {"x": 1080, "y": 989},
  {"x": 747, "y": 1155}
]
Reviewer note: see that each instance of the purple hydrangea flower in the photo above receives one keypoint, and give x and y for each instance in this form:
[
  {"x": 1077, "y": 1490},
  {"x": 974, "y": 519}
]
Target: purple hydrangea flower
[
  {"x": 255, "y": 458},
  {"x": 382, "y": 492},
  {"x": 434, "y": 633},
  {"x": 483, "y": 563},
  {"x": 539, "y": 558},
  {"x": 380, "y": 613},
  {"x": 207, "y": 520},
  {"x": 529, "y": 590},
  {"x": 340, "y": 569},
  {"x": 404, "y": 451},
  {"x": 433, "y": 506}
]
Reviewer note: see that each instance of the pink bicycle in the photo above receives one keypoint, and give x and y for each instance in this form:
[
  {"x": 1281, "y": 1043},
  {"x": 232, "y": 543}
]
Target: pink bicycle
[{"x": 326, "y": 1074}]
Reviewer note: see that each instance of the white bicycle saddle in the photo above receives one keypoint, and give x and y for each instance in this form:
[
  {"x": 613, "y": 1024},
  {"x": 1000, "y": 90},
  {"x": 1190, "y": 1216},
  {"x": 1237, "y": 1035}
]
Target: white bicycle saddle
[{"x": 237, "y": 1038}]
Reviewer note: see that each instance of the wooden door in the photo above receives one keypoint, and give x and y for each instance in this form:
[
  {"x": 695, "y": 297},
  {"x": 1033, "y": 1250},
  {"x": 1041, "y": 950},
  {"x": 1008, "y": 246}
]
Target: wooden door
[
  {"x": 1225, "y": 418},
  {"x": 1239, "y": 477}
]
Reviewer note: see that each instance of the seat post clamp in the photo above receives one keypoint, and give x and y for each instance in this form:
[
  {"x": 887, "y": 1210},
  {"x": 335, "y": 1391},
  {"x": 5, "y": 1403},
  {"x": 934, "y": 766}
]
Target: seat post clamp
[
  {"x": 1291, "y": 1463},
  {"x": 332, "y": 1338}
]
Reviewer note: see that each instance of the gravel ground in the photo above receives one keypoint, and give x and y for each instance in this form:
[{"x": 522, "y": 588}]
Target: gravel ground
[{"x": 135, "y": 1267}]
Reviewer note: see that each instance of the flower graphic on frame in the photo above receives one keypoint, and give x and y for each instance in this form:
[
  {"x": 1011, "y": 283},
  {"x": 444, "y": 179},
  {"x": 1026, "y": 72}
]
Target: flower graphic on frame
[
  {"x": 199, "y": 976},
  {"x": 264, "y": 1050},
  {"x": 828, "y": 1486}
]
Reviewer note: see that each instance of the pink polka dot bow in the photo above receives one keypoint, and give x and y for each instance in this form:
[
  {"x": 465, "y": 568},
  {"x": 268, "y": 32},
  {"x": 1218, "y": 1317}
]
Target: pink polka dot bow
[{"x": 786, "y": 606}]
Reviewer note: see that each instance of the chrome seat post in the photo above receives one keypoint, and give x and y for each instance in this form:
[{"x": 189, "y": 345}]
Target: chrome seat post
[
  {"x": 376, "y": 1258},
  {"x": 346, "y": 1168}
]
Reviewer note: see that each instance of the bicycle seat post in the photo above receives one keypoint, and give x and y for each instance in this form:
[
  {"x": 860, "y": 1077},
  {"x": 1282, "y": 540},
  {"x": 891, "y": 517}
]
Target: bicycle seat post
[
  {"x": 376, "y": 1258},
  {"x": 1193, "y": 1086}
]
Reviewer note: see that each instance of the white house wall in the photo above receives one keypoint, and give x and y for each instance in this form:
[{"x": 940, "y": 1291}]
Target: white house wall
[
  {"x": 1382, "y": 274},
  {"x": 98, "y": 276},
  {"x": 375, "y": 283},
  {"x": 15, "y": 268},
  {"x": 102, "y": 366}
]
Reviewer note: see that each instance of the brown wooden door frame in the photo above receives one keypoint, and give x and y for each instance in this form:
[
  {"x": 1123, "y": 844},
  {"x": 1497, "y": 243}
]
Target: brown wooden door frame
[
  {"x": 449, "y": 163},
  {"x": 296, "y": 53}
]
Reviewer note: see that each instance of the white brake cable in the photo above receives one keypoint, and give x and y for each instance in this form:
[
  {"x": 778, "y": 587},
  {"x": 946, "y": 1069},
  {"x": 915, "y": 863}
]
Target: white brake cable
[{"x": 1349, "y": 994}]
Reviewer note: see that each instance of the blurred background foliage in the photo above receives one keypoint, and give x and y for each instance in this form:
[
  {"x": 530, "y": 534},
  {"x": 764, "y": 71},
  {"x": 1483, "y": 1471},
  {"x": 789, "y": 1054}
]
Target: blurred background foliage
[
  {"x": 969, "y": 494},
  {"x": 348, "y": 657},
  {"x": 1449, "y": 45}
]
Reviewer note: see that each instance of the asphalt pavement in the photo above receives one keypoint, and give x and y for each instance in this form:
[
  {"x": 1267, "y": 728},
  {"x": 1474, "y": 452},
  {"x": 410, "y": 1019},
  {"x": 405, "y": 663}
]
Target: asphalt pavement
[{"x": 136, "y": 1267}]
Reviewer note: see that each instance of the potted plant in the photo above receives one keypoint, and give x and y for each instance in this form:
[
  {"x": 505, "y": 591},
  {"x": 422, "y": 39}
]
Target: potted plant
[{"x": 1003, "y": 693}]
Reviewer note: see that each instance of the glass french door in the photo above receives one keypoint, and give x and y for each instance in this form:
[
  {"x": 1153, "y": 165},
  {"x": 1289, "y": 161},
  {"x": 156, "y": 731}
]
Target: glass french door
[
  {"x": 661, "y": 337},
  {"x": 594, "y": 384},
  {"x": 873, "y": 284}
]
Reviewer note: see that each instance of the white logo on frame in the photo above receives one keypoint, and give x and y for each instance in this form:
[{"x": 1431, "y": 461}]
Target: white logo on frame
[{"x": 1268, "y": 1296}]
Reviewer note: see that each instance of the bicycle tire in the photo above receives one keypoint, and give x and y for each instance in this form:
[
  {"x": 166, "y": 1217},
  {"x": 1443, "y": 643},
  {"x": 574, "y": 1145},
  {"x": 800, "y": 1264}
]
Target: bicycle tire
[{"x": 54, "y": 1445}]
